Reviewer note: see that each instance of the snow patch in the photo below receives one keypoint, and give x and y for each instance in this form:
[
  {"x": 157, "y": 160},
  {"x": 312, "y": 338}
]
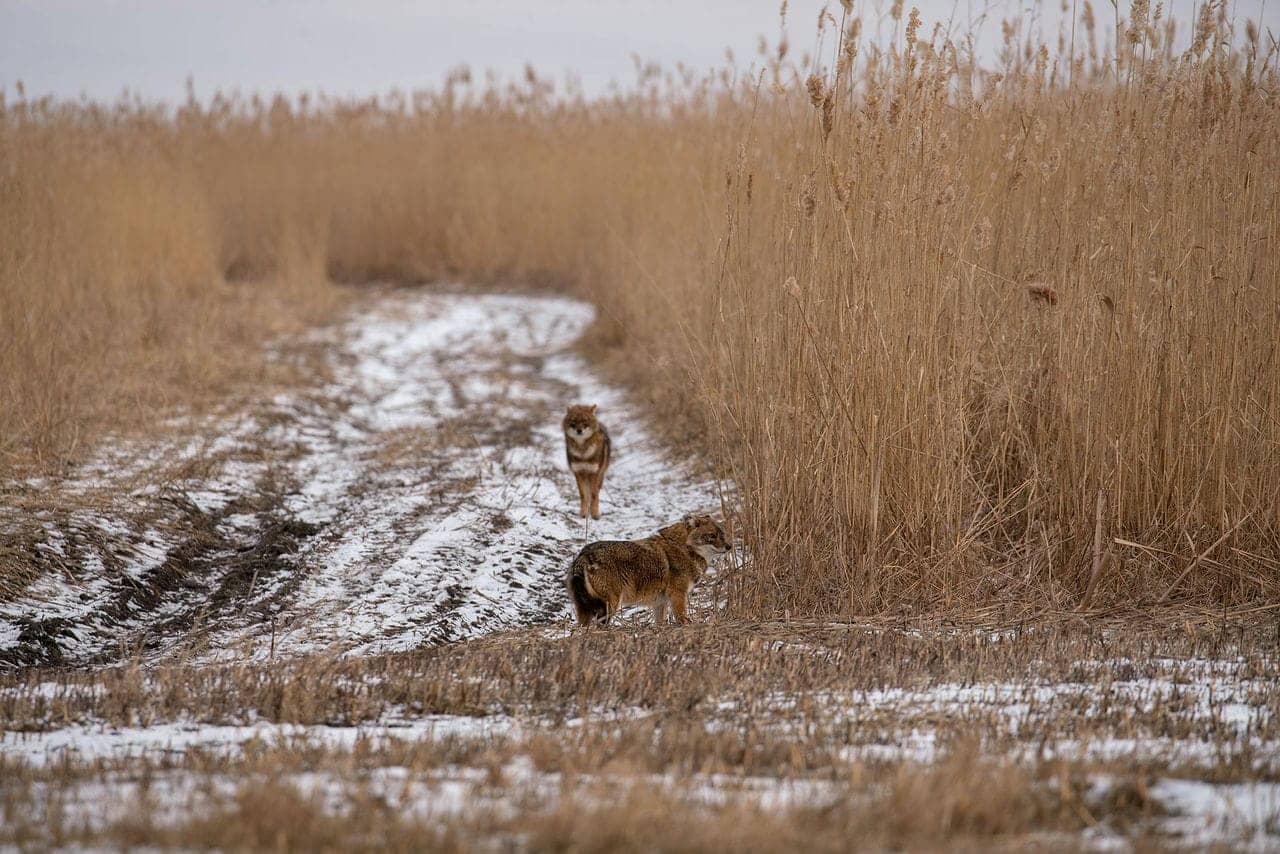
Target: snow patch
[{"x": 431, "y": 464}]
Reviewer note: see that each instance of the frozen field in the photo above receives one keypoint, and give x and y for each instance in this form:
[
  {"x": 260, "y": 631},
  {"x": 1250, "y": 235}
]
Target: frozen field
[
  {"x": 417, "y": 496},
  {"x": 342, "y": 610},
  {"x": 491, "y": 735}
]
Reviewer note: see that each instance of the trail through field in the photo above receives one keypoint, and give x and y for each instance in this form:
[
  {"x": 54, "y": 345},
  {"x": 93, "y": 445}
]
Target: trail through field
[{"x": 417, "y": 495}]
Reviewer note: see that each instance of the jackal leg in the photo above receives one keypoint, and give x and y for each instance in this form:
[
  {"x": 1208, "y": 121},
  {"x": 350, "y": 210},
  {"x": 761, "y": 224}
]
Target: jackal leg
[
  {"x": 584, "y": 494},
  {"x": 611, "y": 606},
  {"x": 597, "y": 481},
  {"x": 680, "y": 604}
]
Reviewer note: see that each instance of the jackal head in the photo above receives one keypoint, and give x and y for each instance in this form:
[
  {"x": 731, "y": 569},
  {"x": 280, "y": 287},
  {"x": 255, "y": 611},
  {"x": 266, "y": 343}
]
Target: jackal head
[
  {"x": 706, "y": 537},
  {"x": 580, "y": 422}
]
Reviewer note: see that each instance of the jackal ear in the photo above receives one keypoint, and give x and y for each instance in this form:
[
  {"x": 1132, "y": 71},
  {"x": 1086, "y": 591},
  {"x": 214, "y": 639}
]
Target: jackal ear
[{"x": 593, "y": 409}]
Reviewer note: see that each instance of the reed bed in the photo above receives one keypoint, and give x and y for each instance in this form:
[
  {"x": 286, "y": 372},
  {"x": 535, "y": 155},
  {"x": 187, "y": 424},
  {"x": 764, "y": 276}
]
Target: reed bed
[{"x": 960, "y": 336}]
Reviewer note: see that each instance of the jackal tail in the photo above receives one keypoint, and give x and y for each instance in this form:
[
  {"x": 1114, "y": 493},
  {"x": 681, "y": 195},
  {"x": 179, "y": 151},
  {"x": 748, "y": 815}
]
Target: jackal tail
[{"x": 585, "y": 602}]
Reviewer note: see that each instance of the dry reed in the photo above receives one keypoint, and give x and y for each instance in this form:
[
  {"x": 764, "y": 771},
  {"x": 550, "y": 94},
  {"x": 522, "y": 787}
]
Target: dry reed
[{"x": 825, "y": 274}]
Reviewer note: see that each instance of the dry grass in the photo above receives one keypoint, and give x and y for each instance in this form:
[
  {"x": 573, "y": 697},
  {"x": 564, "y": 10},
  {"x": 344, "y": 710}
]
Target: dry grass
[
  {"x": 989, "y": 355},
  {"x": 114, "y": 310},
  {"x": 738, "y": 737},
  {"x": 965, "y": 804},
  {"x": 750, "y": 677},
  {"x": 959, "y": 336}
]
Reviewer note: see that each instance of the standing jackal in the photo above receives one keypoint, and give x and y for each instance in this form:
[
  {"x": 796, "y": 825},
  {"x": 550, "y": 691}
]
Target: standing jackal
[
  {"x": 586, "y": 444},
  {"x": 656, "y": 571}
]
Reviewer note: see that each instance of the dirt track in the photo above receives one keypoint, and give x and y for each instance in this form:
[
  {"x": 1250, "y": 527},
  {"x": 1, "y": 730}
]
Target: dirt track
[{"x": 416, "y": 496}]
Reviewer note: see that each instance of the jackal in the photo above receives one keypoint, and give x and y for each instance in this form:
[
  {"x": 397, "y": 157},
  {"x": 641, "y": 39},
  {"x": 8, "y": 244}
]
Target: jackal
[
  {"x": 657, "y": 571},
  {"x": 587, "y": 446}
]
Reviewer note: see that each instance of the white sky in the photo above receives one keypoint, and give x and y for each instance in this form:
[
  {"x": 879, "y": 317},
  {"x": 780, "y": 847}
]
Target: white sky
[{"x": 99, "y": 48}]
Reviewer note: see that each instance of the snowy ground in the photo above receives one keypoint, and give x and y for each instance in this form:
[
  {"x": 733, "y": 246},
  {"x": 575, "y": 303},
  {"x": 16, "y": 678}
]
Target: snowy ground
[
  {"x": 191, "y": 768},
  {"x": 1190, "y": 814},
  {"x": 417, "y": 497},
  {"x": 415, "y": 493},
  {"x": 1197, "y": 814}
]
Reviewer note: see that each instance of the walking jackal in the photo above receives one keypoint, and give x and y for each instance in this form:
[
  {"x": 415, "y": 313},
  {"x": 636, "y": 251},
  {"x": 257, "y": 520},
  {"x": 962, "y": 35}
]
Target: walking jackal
[
  {"x": 657, "y": 571},
  {"x": 586, "y": 444}
]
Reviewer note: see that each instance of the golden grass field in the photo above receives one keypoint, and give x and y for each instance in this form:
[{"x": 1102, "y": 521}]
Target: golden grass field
[
  {"x": 988, "y": 355},
  {"x": 955, "y": 333}
]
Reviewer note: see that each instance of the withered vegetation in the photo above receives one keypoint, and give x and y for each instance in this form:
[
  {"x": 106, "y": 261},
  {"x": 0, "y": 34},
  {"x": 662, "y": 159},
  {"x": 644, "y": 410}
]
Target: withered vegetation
[
  {"x": 989, "y": 354},
  {"x": 957, "y": 333}
]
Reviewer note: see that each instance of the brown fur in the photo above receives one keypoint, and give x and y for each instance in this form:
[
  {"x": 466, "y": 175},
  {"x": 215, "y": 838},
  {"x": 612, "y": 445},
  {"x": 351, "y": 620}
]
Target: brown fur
[
  {"x": 657, "y": 571},
  {"x": 588, "y": 451}
]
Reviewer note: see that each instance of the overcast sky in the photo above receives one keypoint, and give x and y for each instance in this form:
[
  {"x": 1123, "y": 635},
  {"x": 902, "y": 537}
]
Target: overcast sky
[{"x": 99, "y": 48}]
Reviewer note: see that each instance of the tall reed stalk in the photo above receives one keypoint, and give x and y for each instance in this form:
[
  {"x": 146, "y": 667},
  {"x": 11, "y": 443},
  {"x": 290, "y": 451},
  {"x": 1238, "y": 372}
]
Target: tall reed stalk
[{"x": 961, "y": 336}]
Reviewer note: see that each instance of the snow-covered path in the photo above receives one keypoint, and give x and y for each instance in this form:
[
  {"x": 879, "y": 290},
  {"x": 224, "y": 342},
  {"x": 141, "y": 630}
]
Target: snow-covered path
[{"x": 417, "y": 496}]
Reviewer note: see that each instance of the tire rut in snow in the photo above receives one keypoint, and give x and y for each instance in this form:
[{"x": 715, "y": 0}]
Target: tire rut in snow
[
  {"x": 418, "y": 496},
  {"x": 128, "y": 606}
]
